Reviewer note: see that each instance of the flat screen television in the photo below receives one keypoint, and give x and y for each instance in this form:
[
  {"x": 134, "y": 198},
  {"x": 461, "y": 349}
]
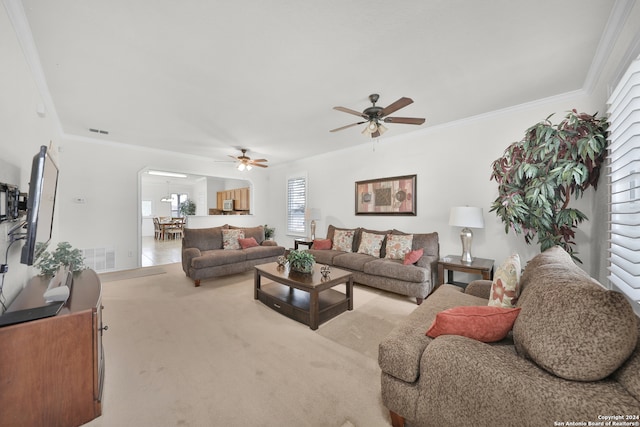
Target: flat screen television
[{"x": 40, "y": 206}]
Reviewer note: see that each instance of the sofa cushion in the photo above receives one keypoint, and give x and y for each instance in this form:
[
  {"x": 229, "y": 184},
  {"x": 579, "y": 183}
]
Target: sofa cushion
[
  {"x": 249, "y": 242},
  {"x": 569, "y": 325},
  {"x": 371, "y": 243},
  {"x": 398, "y": 245},
  {"x": 482, "y": 323},
  {"x": 204, "y": 239},
  {"x": 217, "y": 257},
  {"x": 376, "y": 232},
  {"x": 352, "y": 261},
  {"x": 396, "y": 270},
  {"x": 400, "y": 351},
  {"x": 321, "y": 244},
  {"x": 505, "y": 286},
  {"x": 343, "y": 240},
  {"x": 230, "y": 239},
  {"x": 265, "y": 251},
  {"x": 255, "y": 232},
  {"x": 323, "y": 256}
]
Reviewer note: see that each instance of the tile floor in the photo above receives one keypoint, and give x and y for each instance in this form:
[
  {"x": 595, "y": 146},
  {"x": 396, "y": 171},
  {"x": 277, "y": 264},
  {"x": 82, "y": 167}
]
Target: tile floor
[{"x": 159, "y": 252}]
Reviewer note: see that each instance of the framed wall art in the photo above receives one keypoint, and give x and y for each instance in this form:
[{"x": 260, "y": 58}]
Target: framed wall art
[{"x": 387, "y": 196}]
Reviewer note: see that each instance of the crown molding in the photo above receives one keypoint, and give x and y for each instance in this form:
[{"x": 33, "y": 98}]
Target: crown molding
[
  {"x": 21, "y": 26},
  {"x": 615, "y": 24}
]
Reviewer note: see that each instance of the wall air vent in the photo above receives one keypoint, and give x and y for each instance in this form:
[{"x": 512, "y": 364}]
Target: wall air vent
[
  {"x": 100, "y": 131},
  {"x": 100, "y": 259}
]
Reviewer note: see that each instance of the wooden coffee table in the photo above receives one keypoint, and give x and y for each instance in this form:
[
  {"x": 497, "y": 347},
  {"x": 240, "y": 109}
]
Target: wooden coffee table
[{"x": 307, "y": 298}]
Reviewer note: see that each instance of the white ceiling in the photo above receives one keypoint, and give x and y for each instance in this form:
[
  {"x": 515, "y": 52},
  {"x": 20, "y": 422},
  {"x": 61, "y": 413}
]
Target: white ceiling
[{"x": 207, "y": 77}]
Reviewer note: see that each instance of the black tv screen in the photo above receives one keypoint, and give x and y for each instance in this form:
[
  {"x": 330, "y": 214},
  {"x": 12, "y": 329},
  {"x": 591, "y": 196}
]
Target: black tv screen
[{"x": 40, "y": 206}]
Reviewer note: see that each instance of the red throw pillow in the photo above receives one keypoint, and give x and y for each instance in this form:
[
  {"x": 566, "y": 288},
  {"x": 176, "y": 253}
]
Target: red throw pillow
[
  {"x": 249, "y": 242},
  {"x": 321, "y": 244},
  {"x": 482, "y": 323},
  {"x": 413, "y": 256}
]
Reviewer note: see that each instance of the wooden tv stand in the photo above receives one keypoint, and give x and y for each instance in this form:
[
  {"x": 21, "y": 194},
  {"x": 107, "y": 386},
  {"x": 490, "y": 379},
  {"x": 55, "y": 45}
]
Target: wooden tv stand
[{"x": 52, "y": 369}]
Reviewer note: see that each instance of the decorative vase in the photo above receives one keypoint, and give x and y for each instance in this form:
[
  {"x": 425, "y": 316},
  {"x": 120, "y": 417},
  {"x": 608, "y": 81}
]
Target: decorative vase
[{"x": 304, "y": 268}]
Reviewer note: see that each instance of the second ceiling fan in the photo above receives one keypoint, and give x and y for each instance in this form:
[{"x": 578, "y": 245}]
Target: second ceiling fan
[{"x": 374, "y": 115}]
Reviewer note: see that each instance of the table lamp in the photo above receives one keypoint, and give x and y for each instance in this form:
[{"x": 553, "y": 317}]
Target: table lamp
[
  {"x": 312, "y": 214},
  {"x": 466, "y": 217}
]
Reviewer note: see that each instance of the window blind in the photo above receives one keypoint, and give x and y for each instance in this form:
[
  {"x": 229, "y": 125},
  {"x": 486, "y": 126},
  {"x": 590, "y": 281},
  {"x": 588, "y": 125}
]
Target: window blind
[
  {"x": 296, "y": 204},
  {"x": 623, "y": 165}
]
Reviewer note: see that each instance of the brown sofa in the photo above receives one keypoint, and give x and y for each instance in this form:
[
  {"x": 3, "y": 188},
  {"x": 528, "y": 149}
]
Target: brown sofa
[
  {"x": 203, "y": 256},
  {"x": 413, "y": 280},
  {"x": 573, "y": 356}
]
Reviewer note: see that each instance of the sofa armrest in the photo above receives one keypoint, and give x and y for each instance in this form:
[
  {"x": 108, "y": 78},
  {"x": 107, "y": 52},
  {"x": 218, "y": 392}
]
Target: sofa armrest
[
  {"x": 484, "y": 384},
  {"x": 479, "y": 288},
  {"x": 187, "y": 255},
  {"x": 268, "y": 243}
]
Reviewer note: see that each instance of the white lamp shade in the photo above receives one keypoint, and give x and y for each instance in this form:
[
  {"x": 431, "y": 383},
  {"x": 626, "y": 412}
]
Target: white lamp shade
[{"x": 465, "y": 216}]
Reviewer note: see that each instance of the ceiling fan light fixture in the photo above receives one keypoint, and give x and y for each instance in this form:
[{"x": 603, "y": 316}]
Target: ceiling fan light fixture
[
  {"x": 248, "y": 167},
  {"x": 371, "y": 127},
  {"x": 241, "y": 167},
  {"x": 381, "y": 128}
]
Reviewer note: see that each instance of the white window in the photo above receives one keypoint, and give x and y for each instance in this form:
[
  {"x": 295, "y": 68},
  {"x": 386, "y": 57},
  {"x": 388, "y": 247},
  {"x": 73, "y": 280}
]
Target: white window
[
  {"x": 623, "y": 161},
  {"x": 296, "y": 205}
]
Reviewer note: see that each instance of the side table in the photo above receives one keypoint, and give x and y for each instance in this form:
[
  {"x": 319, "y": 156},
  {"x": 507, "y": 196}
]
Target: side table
[
  {"x": 451, "y": 263},
  {"x": 302, "y": 241}
]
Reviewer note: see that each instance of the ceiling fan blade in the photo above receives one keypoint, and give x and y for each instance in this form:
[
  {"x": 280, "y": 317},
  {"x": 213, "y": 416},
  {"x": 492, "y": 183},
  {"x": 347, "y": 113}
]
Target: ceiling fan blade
[
  {"x": 350, "y": 111},
  {"x": 259, "y": 160},
  {"x": 234, "y": 157},
  {"x": 260, "y": 165},
  {"x": 405, "y": 120},
  {"x": 347, "y": 126},
  {"x": 400, "y": 103},
  {"x": 375, "y": 134}
]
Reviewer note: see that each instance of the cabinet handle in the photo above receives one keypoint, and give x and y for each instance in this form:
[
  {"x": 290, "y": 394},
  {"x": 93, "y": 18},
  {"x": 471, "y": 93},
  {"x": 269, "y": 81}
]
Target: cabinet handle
[
  {"x": 276, "y": 305},
  {"x": 104, "y": 328}
]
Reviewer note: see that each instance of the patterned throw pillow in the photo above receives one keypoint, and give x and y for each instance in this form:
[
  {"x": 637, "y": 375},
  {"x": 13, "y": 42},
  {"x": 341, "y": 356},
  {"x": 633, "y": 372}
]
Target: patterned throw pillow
[
  {"x": 370, "y": 244},
  {"x": 398, "y": 245},
  {"x": 230, "y": 238},
  {"x": 506, "y": 283},
  {"x": 343, "y": 240}
]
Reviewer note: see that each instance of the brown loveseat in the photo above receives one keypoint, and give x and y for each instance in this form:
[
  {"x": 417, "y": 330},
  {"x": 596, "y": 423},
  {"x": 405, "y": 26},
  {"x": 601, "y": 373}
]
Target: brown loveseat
[
  {"x": 573, "y": 356},
  {"x": 204, "y": 257},
  {"x": 414, "y": 280}
]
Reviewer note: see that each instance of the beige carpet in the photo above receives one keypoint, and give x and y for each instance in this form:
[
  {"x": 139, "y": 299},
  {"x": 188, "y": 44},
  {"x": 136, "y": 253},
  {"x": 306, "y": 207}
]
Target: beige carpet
[
  {"x": 177, "y": 355},
  {"x": 131, "y": 274}
]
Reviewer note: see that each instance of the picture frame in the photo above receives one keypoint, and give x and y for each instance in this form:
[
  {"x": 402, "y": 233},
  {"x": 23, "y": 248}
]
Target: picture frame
[{"x": 386, "y": 196}]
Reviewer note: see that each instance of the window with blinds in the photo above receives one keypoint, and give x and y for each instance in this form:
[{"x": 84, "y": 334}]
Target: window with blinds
[
  {"x": 624, "y": 181},
  {"x": 296, "y": 205}
]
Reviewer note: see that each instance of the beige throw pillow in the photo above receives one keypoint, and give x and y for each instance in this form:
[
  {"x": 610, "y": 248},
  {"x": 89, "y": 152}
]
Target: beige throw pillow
[
  {"x": 505, "y": 288},
  {"x": 398, "y": 245},
  {"x": 343, "y": 240},
  {"x": 370, "y": 244},
  {"x": 230, "y": 238}
]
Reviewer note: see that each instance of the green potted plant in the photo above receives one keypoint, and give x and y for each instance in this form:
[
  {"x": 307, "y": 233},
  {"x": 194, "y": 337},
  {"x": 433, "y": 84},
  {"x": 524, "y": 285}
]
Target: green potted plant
[
  {"x": 537, "y": 176},
  {"x": 301, "y": 261},
  {"x": 65, "y": 255},
  {"x": 188, "y": 207},
  {"x": 269, "y": 232}
]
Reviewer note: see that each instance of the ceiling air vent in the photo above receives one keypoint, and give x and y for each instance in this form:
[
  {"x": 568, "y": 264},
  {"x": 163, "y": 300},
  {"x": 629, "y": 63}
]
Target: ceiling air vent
[{"x": 103, "y": 132}]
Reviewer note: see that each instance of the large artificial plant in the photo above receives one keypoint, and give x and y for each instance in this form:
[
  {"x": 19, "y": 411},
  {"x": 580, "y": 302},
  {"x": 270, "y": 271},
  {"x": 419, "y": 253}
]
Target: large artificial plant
[{"x": 538, "y": 175}]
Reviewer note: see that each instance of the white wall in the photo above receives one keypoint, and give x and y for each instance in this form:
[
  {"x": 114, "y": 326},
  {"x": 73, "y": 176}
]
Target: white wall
[
  {"x": 453, "y": 166},
  {"x": 22, "y": 132},
  {"x": 106, "y": 176}
]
